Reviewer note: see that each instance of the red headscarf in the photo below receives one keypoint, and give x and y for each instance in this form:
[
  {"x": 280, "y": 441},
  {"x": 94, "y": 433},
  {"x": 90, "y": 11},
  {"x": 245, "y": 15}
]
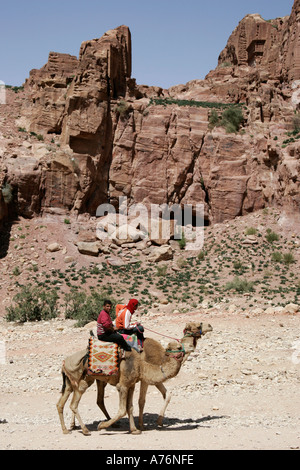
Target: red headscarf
[{"x": 132, "y": 304}]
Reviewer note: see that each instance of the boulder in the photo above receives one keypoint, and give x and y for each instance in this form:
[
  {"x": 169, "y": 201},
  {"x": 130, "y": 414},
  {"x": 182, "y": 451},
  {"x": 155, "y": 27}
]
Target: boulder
[
  {"x": 53, "y": 247},
  {"x": 90, "y": 249},
  {"x": 161, "y": 253},
  {"x": 291, "y": 308},
  {"x": 127, "y": 234}
]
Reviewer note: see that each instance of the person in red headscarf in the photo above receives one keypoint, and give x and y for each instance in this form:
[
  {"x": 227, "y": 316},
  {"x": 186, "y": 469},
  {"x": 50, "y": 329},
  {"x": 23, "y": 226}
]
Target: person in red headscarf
[{"x": 123, "y": 320}]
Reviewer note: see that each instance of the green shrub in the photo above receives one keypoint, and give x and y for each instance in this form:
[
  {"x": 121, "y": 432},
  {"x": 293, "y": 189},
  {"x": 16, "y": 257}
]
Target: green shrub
[
  {"x": 182, "y": 242},
  {"x": 83, "y": 307},
  {"x": 288, "y": 258},
  {"x": 272, "y": 236},
  {"x": 123, "y": 108},
  {"x": 33, "y": 304},
  {"x": 214, "y": 118},
  {"x": 232, "y": 118},
  {"x": 277, "y": 257},
  {"x": 238, "y": 265},
  {"x": 240, "y": 285},
  {"x": 251, "y": 231},
  {"x": 162, "y": 270}
]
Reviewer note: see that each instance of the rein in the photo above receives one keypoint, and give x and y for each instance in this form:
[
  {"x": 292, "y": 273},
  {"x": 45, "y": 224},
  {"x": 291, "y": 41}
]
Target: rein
[
  {"x": 170, "y": 337},
  {"x": 179, "y": 353}
]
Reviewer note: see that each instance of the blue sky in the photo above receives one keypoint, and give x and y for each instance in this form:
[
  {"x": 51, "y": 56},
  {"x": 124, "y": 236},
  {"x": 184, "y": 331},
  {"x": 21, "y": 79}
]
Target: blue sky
[{"x": 172, "y": 41}]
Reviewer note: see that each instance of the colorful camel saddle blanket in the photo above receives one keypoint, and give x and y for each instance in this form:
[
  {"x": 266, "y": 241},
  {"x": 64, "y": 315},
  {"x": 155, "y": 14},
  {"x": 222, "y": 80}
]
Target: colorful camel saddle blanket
[
  {"x": 103, "y": 357},
  {"x": 133, "y": 341}
]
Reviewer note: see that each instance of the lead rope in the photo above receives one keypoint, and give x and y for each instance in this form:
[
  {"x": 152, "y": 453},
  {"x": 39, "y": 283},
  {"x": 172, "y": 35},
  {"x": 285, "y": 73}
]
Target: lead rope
[{"x": 170, "y": 337}]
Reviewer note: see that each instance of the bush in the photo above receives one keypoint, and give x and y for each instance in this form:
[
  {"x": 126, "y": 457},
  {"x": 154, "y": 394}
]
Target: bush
[
  {"x": 251, "y": 231},
  {"x": 272, "y": 236},
  {"x": 288, "y": 258},
  {"x": 182, "y": 242},
  {"x": 33, "y": 304},
  {"x": 232, "y": 119},
  {"x": 162, "y": 270},
  {"x": 123, "y": 109},
  {"x": 213, "y": 118},
  {"x": 83, "y": 307},
  {"x": 277, "y": 257},
  {"x": 240, "y": 285}
]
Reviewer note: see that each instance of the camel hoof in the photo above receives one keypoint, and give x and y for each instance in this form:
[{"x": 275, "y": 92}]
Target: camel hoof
[
  {"x": 136, "y": 432},
  {"x": 101, "y": 426},
  {"x": 160, "y": 421},
  {"x": 86, "y": 432},
  {"x": 66, "y": 431}
]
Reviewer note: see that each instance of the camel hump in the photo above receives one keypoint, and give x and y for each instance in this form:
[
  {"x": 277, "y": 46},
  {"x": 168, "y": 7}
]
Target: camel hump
[{"x": 153, "y": 352}]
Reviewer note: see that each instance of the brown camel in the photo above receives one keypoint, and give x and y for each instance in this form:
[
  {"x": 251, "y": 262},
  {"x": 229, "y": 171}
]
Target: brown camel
[
  {"x": 154, "y": 354},
  {"x": 152, "y": 367}
]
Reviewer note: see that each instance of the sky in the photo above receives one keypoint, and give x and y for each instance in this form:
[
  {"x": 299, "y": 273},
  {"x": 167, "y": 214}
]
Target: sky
[{"x": 173, "y": 41}]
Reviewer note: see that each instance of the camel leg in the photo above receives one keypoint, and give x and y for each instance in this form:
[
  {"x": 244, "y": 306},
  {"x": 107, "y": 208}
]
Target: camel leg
[
  {"x": 167, "y": 397},
  {"x": 78, "y": 392},
  {"x": 89, "y": 381},
  {"x": 123, "y": 392},
  {"x": 100, "y": 397},
  {"x": 67, "y": 390},
  {"x": 142, "y": 400},
  {"x": 132, "y": 426}
]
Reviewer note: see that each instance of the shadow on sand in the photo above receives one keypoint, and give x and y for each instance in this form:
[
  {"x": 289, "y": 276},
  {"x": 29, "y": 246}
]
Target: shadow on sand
[{"x": 150, "y": 423}]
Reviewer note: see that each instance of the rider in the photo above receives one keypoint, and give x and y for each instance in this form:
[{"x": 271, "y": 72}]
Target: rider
[
  {"x": 105, "y": 329},
  {"x": 124, "y": 318}
]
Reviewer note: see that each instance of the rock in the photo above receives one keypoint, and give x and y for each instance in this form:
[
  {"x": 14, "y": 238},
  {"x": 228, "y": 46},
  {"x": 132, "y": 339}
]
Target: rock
[
  {"x": 113, "y": 139},
  {"x": 127, "y": 234},
  {"x": 291, "y": 308},
  {"x": 257, "y": 311},
  {"x": 115, "y": 262},
  {"x": 90, "y": 249},
  {"x": 53, "y": 247},
  {"x": 161, "y": 253},
  {"x": 250, "y": 240}
]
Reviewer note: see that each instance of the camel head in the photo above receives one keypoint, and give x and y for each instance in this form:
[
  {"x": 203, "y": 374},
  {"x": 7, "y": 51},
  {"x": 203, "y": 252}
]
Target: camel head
[
  {"x": 197, "y": 329},
  {"x": 175, "y": 350}
]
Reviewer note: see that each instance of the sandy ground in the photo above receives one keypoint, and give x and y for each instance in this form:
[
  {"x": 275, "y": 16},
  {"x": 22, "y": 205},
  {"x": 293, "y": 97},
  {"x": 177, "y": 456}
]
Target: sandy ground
[{"x": 238, "y": 390}]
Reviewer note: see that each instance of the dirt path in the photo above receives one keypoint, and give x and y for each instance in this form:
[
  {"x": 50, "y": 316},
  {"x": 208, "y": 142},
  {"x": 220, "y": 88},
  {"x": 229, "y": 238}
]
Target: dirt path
[{"x": 239, "y": 390}]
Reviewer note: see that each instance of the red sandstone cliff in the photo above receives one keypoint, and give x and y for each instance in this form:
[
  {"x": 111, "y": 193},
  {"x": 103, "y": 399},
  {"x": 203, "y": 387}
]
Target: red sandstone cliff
[{"x": 106, "y": 139}]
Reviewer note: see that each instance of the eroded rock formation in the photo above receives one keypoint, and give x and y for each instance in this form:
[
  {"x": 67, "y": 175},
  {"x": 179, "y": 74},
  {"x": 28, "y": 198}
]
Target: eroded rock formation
[{"x": 109, "y": 137}]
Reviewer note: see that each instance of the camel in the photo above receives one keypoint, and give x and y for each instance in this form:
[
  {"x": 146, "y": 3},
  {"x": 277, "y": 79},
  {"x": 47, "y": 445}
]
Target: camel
[
  {"x": 151, "y": 367},
  {"x": 192, "y": 332}
]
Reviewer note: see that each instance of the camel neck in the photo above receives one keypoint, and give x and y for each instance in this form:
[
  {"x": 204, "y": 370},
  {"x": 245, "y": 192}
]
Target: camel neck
[{"x": 189, "y": 342}]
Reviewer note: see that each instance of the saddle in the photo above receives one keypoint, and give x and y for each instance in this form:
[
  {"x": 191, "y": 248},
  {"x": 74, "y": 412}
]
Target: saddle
[{"x": 104, "y": 357}]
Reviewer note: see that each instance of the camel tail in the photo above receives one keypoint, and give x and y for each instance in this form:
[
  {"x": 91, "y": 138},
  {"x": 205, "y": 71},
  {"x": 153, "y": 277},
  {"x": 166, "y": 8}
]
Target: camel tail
[{"x": 64, "y": 382}]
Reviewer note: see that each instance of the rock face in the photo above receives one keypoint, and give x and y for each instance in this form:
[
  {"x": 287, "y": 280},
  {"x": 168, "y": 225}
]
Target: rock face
[
  {"x": 111, "y": 138},
  {"x": 46, "y": 89}
]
